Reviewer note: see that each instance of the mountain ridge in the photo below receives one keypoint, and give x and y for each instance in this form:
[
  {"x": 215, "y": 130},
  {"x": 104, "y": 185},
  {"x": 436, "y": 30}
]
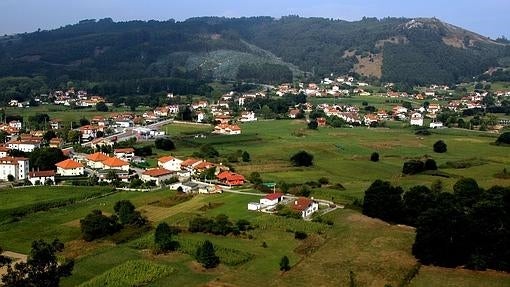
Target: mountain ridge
[{"x": 409, "y": 50}]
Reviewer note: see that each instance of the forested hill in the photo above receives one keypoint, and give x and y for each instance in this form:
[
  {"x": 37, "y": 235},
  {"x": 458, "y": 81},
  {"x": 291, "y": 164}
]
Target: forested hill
[{"x": 415, "y": 51}]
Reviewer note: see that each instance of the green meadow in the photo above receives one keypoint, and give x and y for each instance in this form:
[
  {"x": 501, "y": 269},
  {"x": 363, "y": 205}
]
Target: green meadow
[{"x": 354, "y": 249}]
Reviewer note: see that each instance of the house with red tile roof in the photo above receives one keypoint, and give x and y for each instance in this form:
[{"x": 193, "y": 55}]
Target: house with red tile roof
[
  {"x": 226, "y": 129},
  {"x": 42, "y": 177},
  {"x": 271, "y": 199},
  {"x": 304, "y": 206},
  {"x": 18, "y": 167},
  {"x": 70, "y": 167},
  {"x": 170, "y": 163},
  {"x": 231, "y": 178},
  {"x": 115, "y": 163},
  {"x": 95, "y": 160},
  {"x": 126, "y": 154},
  {"x": 157, "y": 174}
]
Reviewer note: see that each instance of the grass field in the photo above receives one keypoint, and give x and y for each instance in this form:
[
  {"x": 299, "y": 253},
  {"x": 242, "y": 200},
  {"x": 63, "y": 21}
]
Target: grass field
[{"x": 342, "y": 155}]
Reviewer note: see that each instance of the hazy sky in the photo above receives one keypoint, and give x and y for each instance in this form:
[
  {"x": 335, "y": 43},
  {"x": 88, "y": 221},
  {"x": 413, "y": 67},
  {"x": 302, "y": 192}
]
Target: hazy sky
[{"x": 487, "y": 17}]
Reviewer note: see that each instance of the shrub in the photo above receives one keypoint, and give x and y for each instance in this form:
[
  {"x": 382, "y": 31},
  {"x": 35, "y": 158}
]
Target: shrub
[
  {"x": 245, "y": 156},
  {"x": 284, "y": 264},
  {"x": 374, "y": 157},
  {"x": 302, "y": 158},
  {"x": 164, "y": 144},
  {"x": 440, "y": 147},
  {"x": 313, "y": 125},
  {"x": 206, "y": 255},
  {"x": 324, "y": 180},
  {"x": 413, "y": 167},
  {"x": 127, "y": 214},
  {"x": 96, "y": 225},
  {"x": 163, "y": 238},
  {"x": 430, "y": 164},
  {"x": 504, "y": 138},
  {"x": 300, "y": 235}
]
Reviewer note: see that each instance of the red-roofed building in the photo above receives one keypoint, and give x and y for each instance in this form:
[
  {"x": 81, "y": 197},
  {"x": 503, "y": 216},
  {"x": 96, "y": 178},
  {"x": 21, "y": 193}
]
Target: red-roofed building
[
  {"x": 95, "y": 160},
  {"x": 271, "y": 199},
  {"x": 3, "y": 151},
  {"x": 226, "y": 129},
  {"x": 305, "y": 206},
  {"x": 16, "y": 166},
  {"x": 42, "y": 177},
  {"x": 69, "y": 167},
  {"x": 170, "y": 163},
  {"x": 231, "y": 178},
  {"x": 115, "y": 163},
  {"x": 126, "y": 154},
  {"x": 157, "y": 174},
  {"x": 321, "y": 122}
]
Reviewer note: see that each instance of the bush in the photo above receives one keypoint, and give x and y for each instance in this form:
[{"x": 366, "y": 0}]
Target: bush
[
  {"x": 374, "y": 157},
  {"x": 206, "y": 255},
  {"x": 413, "y": 167},
  {"x": 302, "y": 158},
  {"x": 300, "y": 235},
  {"x": 430, "y": 164},
  {"x": 440, "y": 147},
  {"x": 324, "y": 180},
  {"x": 164, "y": 144},
  {"x": 313, "y": 125},
  {"x": 504, "y": 138},
  {"x": 284, "y": 264},
  {"x": 163, "y": 238},
  {"x": 127, "y": 214},
  {"x": 96, "y": 225}
]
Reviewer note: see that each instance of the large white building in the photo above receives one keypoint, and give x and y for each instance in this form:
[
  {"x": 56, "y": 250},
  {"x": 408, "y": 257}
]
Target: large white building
[
  {"x": 70, "y": 167},
  {"x": 170, "y": 163},
  {"x": 18, "y": 167},
  {"x": 24, "y": 145}
]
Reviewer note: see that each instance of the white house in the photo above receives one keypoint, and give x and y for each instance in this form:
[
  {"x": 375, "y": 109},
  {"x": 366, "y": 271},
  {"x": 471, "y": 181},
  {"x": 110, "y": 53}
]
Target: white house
[
  {"x": 305, "y": 206},
  {"x": 18, "y": 167},
  {"x": 226, "y": 129},
  {"x": 70, "y": 167},
  {"x": 157, "y": 174},
  {"x": 200, "y": 117},
  {"x": 115, "y": 163},
  {"x": 248, "y": 117},
  {"x": 3, "y": 151},
  {"x": 95, "y": 160},
  {"x": 27, "y": 145},
  {"x": 170, "y": 163},
  {"x": 416, "y": 119},
  {"x": 41, "y": 177},
  {"x": 271, "y": 199},
  {"x": 124, "y": 153}
]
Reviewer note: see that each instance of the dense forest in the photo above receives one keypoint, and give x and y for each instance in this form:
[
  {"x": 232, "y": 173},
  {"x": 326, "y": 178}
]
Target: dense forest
[{"x": 118, "y": 56}]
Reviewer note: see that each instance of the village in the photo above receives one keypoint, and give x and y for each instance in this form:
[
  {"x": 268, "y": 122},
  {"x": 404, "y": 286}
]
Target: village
[{"x": 100, "y": 157}]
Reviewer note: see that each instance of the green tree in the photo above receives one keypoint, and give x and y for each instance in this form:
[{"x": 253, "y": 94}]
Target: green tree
[
  {"x": 96, "y": 225},
  {"x": 302, "y": 158},
  {"x": 73, "y": 136},
  {"x": 101, "y": 107},
  {"x": 49, "y": 135},
  {"x": 384, "y": 201},
  {"x": 416, "y": 201},
  {"x": 42, "y": 268},
  {"x": 284, "y": 264},
  {"x": 4, "y": 260},
  {"x": 440, "y": 146},
  {"x": 313, "y": 125},
  {"x": 374, "y": 157},
  {"x": 127, "y": 214},
  {"x": 504, "y": 138},
  {"x": 164, "y": 144},
  {"x": 45, "y": 158},
  {"x": 205, "y": 255},
  {"x": 245, "y": 156},
  {"x": 163, "y": 238}
]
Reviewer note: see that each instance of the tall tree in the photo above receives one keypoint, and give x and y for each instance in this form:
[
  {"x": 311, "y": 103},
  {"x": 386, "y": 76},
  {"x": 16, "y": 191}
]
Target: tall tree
[
  {"x": 384, "y": 201},
  {"x": 206, "y": 255},
  {"x": 42, "y": 268}
]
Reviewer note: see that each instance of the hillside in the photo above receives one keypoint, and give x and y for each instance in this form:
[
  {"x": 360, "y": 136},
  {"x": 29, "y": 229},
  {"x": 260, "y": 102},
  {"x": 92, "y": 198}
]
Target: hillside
[{"x": 414, "y": 51}]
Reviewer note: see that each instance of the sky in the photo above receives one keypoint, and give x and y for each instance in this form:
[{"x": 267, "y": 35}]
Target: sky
[{"x": 487, "y": 17}]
